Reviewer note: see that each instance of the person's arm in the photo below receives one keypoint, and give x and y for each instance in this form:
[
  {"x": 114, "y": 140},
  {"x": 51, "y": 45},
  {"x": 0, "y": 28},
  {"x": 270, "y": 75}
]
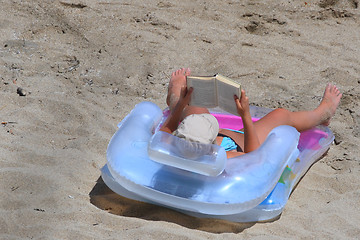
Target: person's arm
[
  {"x": 251, "y": 140},
  {"x": 233, "y": 154},
  {"x": 172, "y": 122}
]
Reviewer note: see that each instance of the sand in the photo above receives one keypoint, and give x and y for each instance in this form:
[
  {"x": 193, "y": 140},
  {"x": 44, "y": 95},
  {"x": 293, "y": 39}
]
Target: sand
[{"x": 71, "y": 70}]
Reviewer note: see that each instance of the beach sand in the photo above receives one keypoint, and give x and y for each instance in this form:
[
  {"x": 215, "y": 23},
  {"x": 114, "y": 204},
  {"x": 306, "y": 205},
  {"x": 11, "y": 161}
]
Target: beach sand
[{"x": 71, "y": 70}]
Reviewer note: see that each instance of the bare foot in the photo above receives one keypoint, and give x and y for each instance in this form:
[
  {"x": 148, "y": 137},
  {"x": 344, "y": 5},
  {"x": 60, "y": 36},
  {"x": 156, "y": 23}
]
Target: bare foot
[
  {"x": 177, "y": 82},
  {"x": 329, "y": 103}
]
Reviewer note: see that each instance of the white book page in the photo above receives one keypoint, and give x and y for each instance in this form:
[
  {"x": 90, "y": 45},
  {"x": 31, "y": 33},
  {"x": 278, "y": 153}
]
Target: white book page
[
  {"x": 226, "y": 94},
  {"x": 204, "y": 93}
]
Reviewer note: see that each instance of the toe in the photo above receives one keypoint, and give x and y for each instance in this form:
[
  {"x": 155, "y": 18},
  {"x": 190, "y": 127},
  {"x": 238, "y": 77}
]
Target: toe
[{"x": 183, "y": 71}]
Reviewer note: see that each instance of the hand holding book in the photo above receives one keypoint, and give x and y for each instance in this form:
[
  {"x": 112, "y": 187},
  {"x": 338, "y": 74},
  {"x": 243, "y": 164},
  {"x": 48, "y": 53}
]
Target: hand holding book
[
  {"x": 242, "y": 105},
  {"x": 215, "y": 91}
]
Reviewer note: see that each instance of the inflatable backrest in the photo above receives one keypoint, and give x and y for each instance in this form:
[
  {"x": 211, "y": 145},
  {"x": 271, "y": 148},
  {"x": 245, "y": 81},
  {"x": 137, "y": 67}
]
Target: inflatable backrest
[{"x": 206, "y": 159}]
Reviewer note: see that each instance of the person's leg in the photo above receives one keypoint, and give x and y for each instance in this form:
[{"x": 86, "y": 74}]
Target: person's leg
[
  {"x": 302, "y": 120},
  {"x": 176, "y": 84}
]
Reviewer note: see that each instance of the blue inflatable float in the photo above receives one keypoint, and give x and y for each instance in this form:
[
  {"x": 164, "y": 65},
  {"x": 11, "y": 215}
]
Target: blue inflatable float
[{"x": 197, "y": 179}]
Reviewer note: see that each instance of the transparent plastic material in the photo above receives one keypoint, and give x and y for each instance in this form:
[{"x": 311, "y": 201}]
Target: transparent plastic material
[
  {"x": 243, "y": 192},
  {"x": 205, "y": 159},
  {"x": 312, "y": 145}
]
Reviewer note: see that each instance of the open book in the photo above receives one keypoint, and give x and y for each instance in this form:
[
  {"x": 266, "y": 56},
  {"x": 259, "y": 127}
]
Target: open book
[{"x": 215, "y": 91}]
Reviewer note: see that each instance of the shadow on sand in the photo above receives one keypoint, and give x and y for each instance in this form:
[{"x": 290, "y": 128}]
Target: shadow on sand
[{"x": 104, "y": 198}]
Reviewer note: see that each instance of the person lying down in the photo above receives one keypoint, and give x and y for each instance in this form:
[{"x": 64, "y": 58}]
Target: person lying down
[{"x": 198, "y": 125}]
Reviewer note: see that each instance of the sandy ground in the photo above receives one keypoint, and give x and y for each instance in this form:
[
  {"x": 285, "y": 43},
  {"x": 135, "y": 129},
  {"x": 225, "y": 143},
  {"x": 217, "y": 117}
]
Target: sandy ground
[{"x": 83, "y": 65}]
